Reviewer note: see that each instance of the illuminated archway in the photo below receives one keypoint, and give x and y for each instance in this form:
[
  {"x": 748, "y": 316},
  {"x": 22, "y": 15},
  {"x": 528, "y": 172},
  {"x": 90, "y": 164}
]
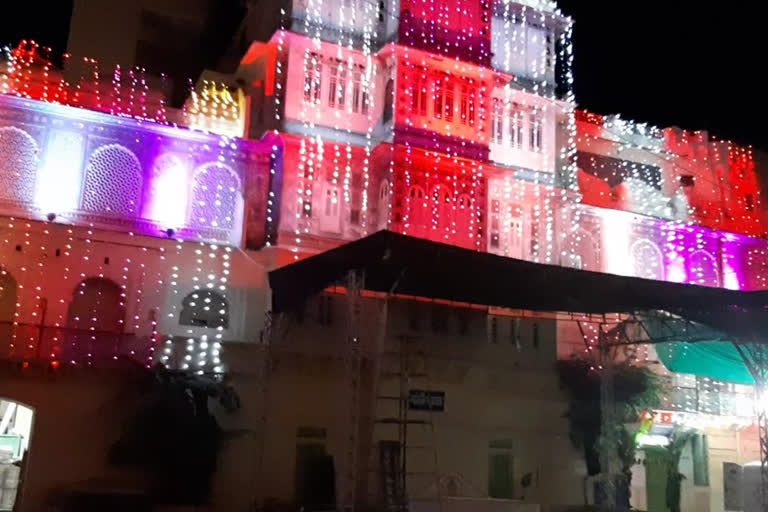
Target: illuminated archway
[
  {"x": 95, "y": 320},
  {"x": 647, "y": 261}
]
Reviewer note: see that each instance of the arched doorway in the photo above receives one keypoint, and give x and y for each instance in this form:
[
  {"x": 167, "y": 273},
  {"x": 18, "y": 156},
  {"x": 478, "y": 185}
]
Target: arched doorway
[
  {"x": 16, "y": 422},
  {"x": 95, "y": 320},
  {"x": 8, "y": 298}
]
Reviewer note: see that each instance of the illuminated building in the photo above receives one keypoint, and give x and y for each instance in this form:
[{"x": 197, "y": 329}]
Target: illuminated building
[{"x": 134, "y": 231}]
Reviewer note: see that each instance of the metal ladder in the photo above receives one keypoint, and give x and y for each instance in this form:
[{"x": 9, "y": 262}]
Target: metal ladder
[{"x": 413, "y": 466}]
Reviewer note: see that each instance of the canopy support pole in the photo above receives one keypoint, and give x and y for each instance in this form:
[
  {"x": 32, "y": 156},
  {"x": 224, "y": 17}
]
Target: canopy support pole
[
  {"x": 755, "y": 358},
  {"x": 608, "y": 444}
]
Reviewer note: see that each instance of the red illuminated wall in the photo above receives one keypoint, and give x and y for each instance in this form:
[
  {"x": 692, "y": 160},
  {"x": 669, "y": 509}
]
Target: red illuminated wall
[
  {"x": 460, "y": 29},
  {"x": 438, "y": 198},
  {"x": 717, "y": 178},
  {"x": 442, "y": 106}
]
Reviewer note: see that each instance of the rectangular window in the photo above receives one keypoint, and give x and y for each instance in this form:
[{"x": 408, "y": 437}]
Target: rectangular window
[
  {"x": 439, "y": 97},
  {"x": 749, "y": 202},
  {"x": 497, "y": 121},
  {"x": 337, "y": 85},
  {"x": 534, "y": 125},
  {"x": 306, "y": 208},
  {"x": 515, "y": 135},
  {"x": 364, "y": 102},
  {"x": 514, "y": 332},
  {"x": 357, "y": 86},
  {"x": 495, "y": 208},
  {"x": 493, "y": 330},
  {"x": 333, "y": 77},
  {"x": 342, "y": 86},
  {"x": 550, "y": 52},
  {"x": 419, "y": 94},
  {"x": 471, "y": 113},
  {"x": 331, "y": 202},
  {"x": 687, "y": 180},
  {"x": 467, "y": 105},
  {"x": 448, "y": 88},
  {"x": 464, "y": 105},
  {"x": 312, "y": 79}
]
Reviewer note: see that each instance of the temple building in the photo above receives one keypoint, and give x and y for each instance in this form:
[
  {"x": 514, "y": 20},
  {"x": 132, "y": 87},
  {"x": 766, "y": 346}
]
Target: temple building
[{"x": 133, "y": 234}]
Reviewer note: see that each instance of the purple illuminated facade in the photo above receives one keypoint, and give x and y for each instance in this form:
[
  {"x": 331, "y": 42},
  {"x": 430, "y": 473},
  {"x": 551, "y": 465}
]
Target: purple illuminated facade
[{"x": 82, "y": 167}]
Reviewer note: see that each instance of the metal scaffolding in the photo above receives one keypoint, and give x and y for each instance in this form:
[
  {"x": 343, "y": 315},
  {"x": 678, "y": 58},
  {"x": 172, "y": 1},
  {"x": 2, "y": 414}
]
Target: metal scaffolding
[{"x": 632, "y": 330}]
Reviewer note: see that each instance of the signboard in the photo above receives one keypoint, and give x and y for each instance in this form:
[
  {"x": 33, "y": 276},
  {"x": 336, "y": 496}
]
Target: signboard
[{"x": 433, "y": 401}]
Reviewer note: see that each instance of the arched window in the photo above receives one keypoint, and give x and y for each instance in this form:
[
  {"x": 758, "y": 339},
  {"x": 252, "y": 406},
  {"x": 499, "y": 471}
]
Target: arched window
[
  {"x": 18, "y": 165},
  {"x": 464, "y": 226},
  {"x": 383, "y": 205},
  {"x": 647, "y": 261},
  {"x": 205, "y": 308},
  {"x": 216, "y": 191},
  {"x": 443, "y": 215},
  {"x": 703, "y": 269},
  {"x": 97, "y": 305},
  {"x": 389, "y": 100},
  {"x": 418, "y": 217},
  {"x": 8, "y": 296},
  {"x": 113, "y": 181}
]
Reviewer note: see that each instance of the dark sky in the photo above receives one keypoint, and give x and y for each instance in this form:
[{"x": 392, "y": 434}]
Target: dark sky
[
  {"x": 665, "y": 62},
  {"x": 669, "y": 62},
  {"x": 46, "y": 21}
]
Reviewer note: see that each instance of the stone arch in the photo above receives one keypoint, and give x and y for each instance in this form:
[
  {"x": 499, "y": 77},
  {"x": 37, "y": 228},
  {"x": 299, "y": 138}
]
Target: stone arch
[
  {"x": 98, "y": 304},
  {"x": 95, "y": 320}
]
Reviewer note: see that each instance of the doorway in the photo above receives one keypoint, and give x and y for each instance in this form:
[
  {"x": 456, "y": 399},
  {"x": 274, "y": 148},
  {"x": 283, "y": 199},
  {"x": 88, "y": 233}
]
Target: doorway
[{"x": 16, "y": 420}]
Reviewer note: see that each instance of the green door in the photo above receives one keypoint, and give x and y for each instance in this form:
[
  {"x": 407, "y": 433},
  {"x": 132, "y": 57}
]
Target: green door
[{"x": 500, "y": 476}]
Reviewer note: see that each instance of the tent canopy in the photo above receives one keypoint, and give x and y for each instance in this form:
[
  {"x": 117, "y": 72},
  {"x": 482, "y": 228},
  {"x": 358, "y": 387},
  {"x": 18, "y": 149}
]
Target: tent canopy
[
  {"x": 712, "y": 317},
  {"x": 410, "y": 266}
]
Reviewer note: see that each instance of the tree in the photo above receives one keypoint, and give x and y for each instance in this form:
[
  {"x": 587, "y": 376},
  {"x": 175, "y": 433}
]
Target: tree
[
  {"x": 636, "y": 390},
  {"x": 173, "y": 435}
]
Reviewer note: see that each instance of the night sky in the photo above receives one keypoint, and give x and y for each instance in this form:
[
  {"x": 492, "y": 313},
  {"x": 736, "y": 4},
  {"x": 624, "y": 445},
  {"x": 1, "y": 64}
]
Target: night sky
[
  {"x": 663, "y": 62},
  {"x": 674, "y": 63}
]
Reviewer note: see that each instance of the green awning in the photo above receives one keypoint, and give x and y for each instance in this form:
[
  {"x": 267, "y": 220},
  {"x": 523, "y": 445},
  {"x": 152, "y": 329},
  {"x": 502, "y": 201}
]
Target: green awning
[
  {"x": 697, "y": 349},
  {"x": 714, "y": 359}
]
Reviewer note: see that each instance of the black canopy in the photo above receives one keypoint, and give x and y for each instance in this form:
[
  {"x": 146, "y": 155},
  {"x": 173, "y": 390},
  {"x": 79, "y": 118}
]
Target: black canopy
[{"x": 415, "y": 267}]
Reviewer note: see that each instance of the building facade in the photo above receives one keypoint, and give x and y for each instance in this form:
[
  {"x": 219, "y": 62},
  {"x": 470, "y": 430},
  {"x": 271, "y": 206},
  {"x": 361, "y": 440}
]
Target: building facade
[{"x": 135, "y": 232}]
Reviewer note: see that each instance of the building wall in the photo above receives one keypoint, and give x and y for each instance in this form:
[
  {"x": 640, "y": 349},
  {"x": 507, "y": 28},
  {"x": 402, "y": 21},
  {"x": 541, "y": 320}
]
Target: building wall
[
  {"x": 89, "y": 168},
  {"x": 497, "y": 372},
  {"x": 77, "y": 417}
]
